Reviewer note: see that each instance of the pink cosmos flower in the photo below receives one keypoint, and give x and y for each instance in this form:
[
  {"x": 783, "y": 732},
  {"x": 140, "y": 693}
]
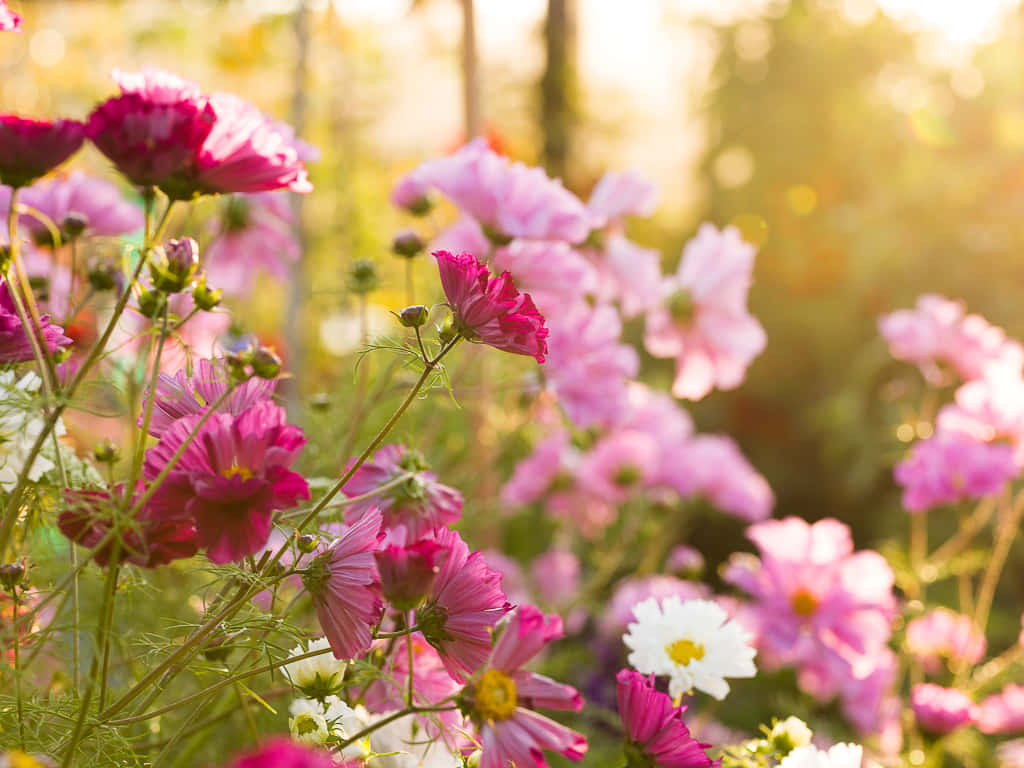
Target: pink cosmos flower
[
  {"x": 942, "y": 636},
  {"x": 632, "y": 591},
  {"x": 345, "y": 586},
  {"x": 952, "y": 467},
  {"x": 147, "y": 541},
  {"x": 246, "y": 152},
  {"x": 285, "y": 753},
  {"x": 15, "y": 346},
  {"x": 408, "y": 572},
  {"x": 554, "y": 275},
  {"x": 465, "y": 603},
  {"x": 656, "y": 735},
  {"x": 940, "y": 331},
  {"x": 703, "y": 321},
  {"x": 255, "y": 233},
  {"x": 819, "y": 605},
  {"x": 513, "y": 578},
  {"x": 187, "y": 394},
  {"x": 231, "y": 478},
  {"x": 1011, "y": 754},
  {"x": 95, "y": 202},
  {"x": 589, "y": 366},
  {"x": 712, "y": 466},
  {"x": 619, "y": 465},
  {"x": 557, "y": 576},
  {"x": 509, "y": 199},
  {"x": 501, "y": 696},
  {"x": 431, "y": 684},
  {"x": 9, "y": 20},
  {"x": 153, "y": 131},
  {"x": 1002, "y": 712},
  {"x": 988, "y": 409},
  {"x": 417, "y": 506},
  {"x": 490, "y": 309},
  {"x": 623, "y": 193},
  {"x": 940, "y": 710},
  {"x": 32, "y": 148},
  {"x": 628, "y": 274}
]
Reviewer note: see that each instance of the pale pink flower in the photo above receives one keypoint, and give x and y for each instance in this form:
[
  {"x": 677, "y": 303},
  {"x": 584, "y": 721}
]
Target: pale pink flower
[
  {"x": 703, "y": 320},
  {"x": 95, "y": 202},
  {"x": 501, "y": 696},
  {"x": 623, "y": 193},
  {"x": 1011, "y": 754},
  {"x": 513, "y": 578},
  {"x": 9, "y": 20},
  {"x": 508, "y": 199},
  {"x": 254, "y": 233},
  {"x": 870, "y": 703},
  {"x": 943, "y": 636},
  {"x": 938, "y": 330},
  {"x": 633, "y": 591},
  {"x": 1002, "y": 712},
  {"x": 554, "y": 274},
  {"x": 713, "y": 467},
  {"x": 952, "y": 467},
  {"x": 620, "y": 465},
  {"x": 989, "y": 409},
  {"x": 941, "y": 710},
  {"x": 557, "y": 576},
  {"x": 627, "y": 273}
]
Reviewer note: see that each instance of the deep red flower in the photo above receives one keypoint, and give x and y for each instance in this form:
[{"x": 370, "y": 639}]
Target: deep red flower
[{"x": 15, "y": 346}]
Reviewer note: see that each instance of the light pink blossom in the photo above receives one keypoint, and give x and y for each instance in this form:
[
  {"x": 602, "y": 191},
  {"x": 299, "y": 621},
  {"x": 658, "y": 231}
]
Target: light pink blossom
[
  {"x": 943, "y": 636},
  {"x": 989, "y": 409},
  {"x": 1002, "y": 712},
  {"x": 9, "y": 20},
  {"x": 623, "y": 193}
]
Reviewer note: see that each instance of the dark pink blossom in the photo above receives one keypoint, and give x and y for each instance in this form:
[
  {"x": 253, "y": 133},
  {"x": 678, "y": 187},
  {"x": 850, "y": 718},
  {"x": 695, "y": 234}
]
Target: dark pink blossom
[
  {"x": 418, "y": 505},
  {"x": 941, "y": 710},
  {"x": 465, "y": 603},
  {"x": 656, "y": 736},
  {"x": 501, "y": 697},
  {"x": 285, "y": 753},
  {"x": 490, "y": 309},
  {"x": 32, "y": 148},
  {"x": 15, "y": 346},
  {"x": 345, "y": 586},
  {"x": 231, "y": 478},
  {"x": 408, "y": 572}
]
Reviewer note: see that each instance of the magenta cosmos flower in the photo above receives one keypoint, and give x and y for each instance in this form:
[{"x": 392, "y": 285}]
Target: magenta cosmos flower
[
  {"x": 939, "y": 330},
  {"x": 418, "y": 505},
  {"x": 9, "y": 20},
  {"x": 15, "y": 346},
  {"x": 952, "y": 467},
  {"x": 231, "y": 478},
  {"x": 943, "y": 636},
  {"x": 147, "y": 541},
  {"x": 188, "y": 394},
  {"x": 32, "y": 148},
  {"x": 408, "y": 572},
  {"x": 501, "y": 696},
  {"x": 490, "y": 309},
  {"x": 703, "y": 320},
  {"x": 345, "y": 586},
  {"x": 284, "y": 753},
  {"x": 941, "y": 710},
  {"x": 818, "y": 605},
  {"x": 509, "y": 199},
  {"x": 656, "y": 736},
  {"x": 465, "y": 603}
]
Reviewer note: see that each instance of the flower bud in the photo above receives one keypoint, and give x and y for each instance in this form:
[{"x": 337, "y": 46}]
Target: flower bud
[
  {"x": 414, "y": 316},
  {"x": 362, "y": 277},
  {"x": 265, "y": 363},
  {"x": 307, "y": 542},
  {"x": 238, "y": 363},
  {"x": 321, "y": 401},
  {"x": 102, "y": 276},
  {"x": 61, "y": 355},
  {"x": 407, "y": 244},
  {"x": 150, "y": 302},
  {"x": 11, "y": 575},
  {"x": 173, "y": 265},
  {"x": 206, "y": 298},
  {"x": 106, "y": 452},
  {"x": 74, "y": 225}
]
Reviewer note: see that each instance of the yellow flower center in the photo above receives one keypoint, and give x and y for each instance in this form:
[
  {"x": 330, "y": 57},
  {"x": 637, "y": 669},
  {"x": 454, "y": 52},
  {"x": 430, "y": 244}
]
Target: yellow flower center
[
  {"x": 804, "y": 603},
  {"x": 495, "y": 695},
  {"x": 682, "y": 652},
  {"x": 234, "y": 470}
]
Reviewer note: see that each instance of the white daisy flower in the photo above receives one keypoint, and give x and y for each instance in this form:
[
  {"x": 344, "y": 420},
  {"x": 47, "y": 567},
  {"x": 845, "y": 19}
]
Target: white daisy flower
[
  {"x": 20, "y": 424},
  {"x": 308, "y": 726},
  {"x": 318, "y": 676},
  {"x": 839, "y": 756},
  {"x": 694, "y": 644},
  {"x": 792, "y": 732},
  {"x": 403, "y": 744},
  {"x": 339, "y": 721}
]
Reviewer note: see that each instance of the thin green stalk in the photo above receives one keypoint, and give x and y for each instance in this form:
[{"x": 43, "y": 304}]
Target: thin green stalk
[
  {"x": 17, "y": 671},
  {"x": 108, "y": 620},
  {"x": 148, "y": 413},
  {"x": 348, "y": 501},
  {"x": 409, "y": 623},
  {"x": 1009, "y": 521},
  {"x": 391, "y": 718}
]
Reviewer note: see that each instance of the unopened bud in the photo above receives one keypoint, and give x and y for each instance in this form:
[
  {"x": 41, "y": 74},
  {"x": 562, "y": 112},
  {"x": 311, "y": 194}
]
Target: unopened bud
[
  {"x": 61, "y": 355},
  {"x": 407, "y": 243},
  {"x": 362, "y": 277},
  {"x": 414, "y": 316},
  {"x": 205, "y": 297},
  {"x": 238, "y": 363},
  {"x": 446, "y": 331},
  {"x": 265, "y": 363},
  {"x": 106, "y": 452},
  {"x": 173, "y": 265},
  {"x": 11, "y": 575},
  {"x": 307, "y": 542},
  {"x": 321, "y": 401},
  {"x": 103, "y": 276},
  {"x": 150, "y": 302},
  {"x": 74, "y": 224}
]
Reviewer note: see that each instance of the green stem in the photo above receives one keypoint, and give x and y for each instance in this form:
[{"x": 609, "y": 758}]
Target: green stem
[
  {"x": 390, "y": 719},
  {"x": 148, "y": 413},
  {"x": 348, "y": 501},
  {"x": 409, "y": 623},
  {"x": 108, "y": 621},
  {"x": 17, "y": 671},
  {"x": 1009, "y": 520}
]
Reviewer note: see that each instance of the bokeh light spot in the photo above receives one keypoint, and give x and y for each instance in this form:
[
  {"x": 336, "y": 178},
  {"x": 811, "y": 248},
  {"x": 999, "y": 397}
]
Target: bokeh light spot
[
  {"x": 734, "y": 167},
  {"x": 47, "y": 47},
  {"x": 905, "y": 433},
  {"x": 802, "y": 199},
  {"x": 753, "y": 228},
  {"x": 967, "y": 82},
  {"x": 930, "y": 128},
  {"x": 1009, "y": 128}
]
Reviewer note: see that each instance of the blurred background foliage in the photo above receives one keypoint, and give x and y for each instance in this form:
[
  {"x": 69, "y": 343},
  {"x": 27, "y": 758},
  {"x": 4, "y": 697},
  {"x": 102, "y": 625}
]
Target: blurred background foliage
[{"x": 870, "y": 157}]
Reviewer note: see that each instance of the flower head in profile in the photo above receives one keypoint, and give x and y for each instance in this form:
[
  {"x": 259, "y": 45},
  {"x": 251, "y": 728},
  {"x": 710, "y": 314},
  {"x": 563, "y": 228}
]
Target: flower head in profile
[
  {"x": 703, "y": 320},
  {"x": 9, "y": 20},
  {"x": 490, "y": 309},
  {"x": 1002, "y": 712},
  {"x": 231, "y": 478},
  {"x": 656, "y": 736},
  {"x": 941, "y": 710},
  {"x": 32, "y": 148},
  {"x": 693, "y": 643},
  {"x": 623, "y": 193},
  {"x": 464, "y": 604},
  {"x": 943, "y": 636},
  {"x": 15, "y": 345},
  {"x": 408, "y": 571},
  {"x": 318, "y": 676},
  {"x": 417, "y": 505},
  {"x": 501, "y": 697},
  {"x": 345, "y": 586},
  {"x": 838, "y": 756}
]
